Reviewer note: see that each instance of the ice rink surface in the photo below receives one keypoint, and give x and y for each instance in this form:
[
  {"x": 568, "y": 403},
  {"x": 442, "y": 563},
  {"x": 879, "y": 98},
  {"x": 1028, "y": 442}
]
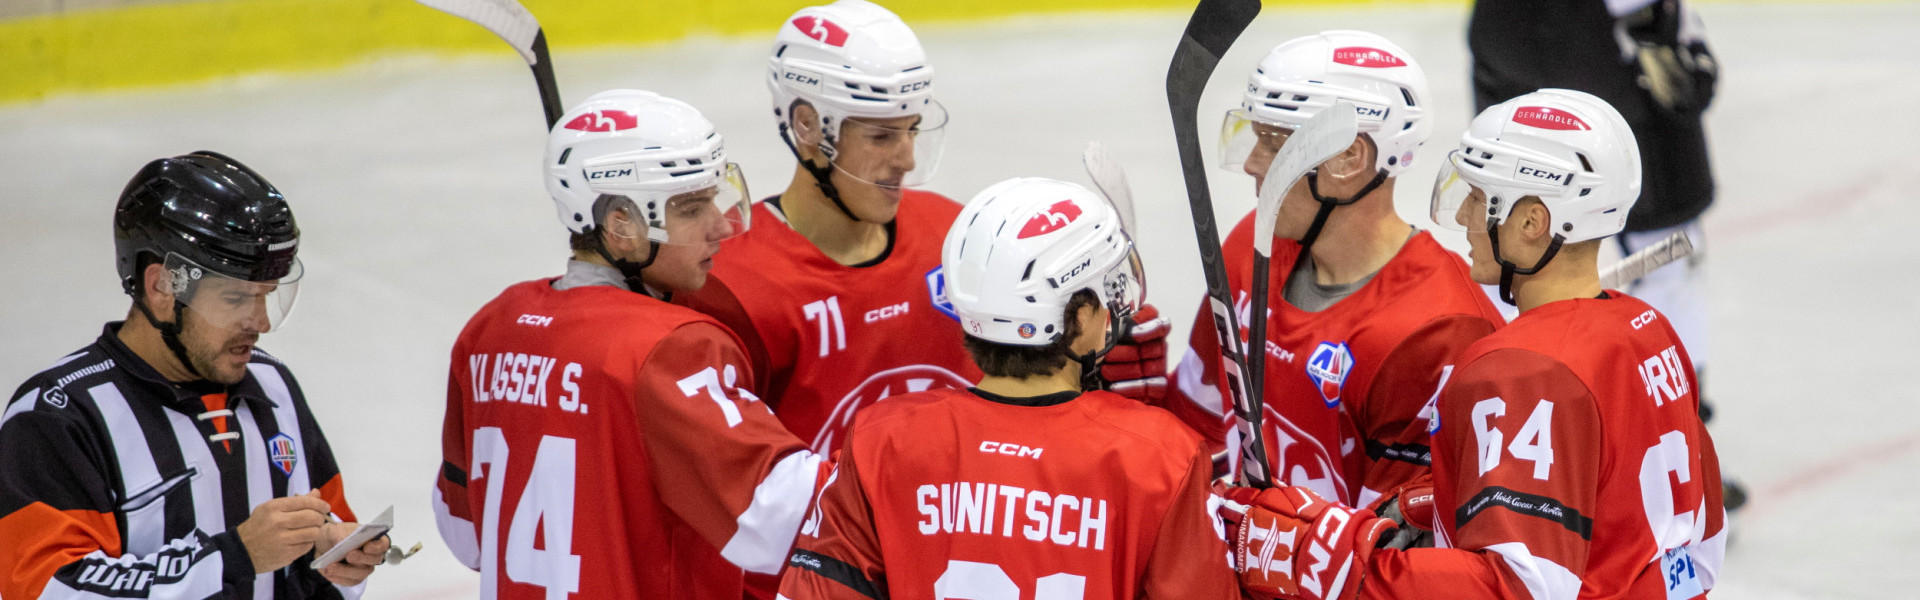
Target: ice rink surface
[{"x": 416, "y": 184}]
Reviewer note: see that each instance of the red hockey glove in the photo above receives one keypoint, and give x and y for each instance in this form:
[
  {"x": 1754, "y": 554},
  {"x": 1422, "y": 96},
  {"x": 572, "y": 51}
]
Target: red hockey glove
[
  {"x": 1137, "y": 366},
  {"x": 1409, "y": 505},
  {"x": 1291, "y": 543}
]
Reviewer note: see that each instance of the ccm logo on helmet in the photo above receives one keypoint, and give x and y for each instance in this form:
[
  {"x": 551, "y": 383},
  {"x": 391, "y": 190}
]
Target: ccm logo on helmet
[
  {"x": 622, "y": 172},
  {"x": 1370, "y": 111},
  {"x": 1074, "y": 272},
  {"x": 1528, "y": 169},
  {"x": 802, "y": 78},
  {"x": 822, "y": 30},
  {"x": 1010, "y": 449},
  {"x": 1370, "y": 58},
  {"x": 915, "y": 86},
  {"x": 1549, "y": 118},
  {"x": 604, "y": 120},
  {"x": 1051, "y": 219}
]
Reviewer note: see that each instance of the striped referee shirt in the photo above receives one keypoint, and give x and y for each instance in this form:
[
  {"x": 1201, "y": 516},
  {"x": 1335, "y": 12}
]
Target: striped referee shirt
[{"x": 116, "y": 483}]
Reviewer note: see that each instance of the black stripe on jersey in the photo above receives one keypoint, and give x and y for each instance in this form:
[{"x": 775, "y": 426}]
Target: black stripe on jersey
[
  {"x": 1419, "y": 454},
  {"x": 832, "y": 568},
  {"x": 1527, "y": 504},
  {"x": 454, "y": 475},
  {"x": 167, "y": 458},
  {"x": 268, "y": 425}
]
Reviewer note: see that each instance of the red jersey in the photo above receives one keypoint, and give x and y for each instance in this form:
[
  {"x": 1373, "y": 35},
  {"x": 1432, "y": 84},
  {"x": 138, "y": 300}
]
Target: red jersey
[
  {"x": 1570, "y": 459},
  {"x": 830, "y": 339},
  {"x": 612, "y": 466},
  {"x": 949, "y": 494},
  {"x": 1346, "y": 386}
]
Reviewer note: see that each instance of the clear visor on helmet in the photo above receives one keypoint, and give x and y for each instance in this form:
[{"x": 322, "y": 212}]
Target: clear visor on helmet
[
  {"x": 1458, "y": 204},
  {"x": 1246, "y": 141},
  {"x": 892, "y": 153},
  {"x": 718, "y": 211},
  {"x": 228, "y": 303}
]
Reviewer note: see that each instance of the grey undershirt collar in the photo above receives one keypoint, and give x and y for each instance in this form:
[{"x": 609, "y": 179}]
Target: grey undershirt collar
[{"x": 1308, "y": 295}]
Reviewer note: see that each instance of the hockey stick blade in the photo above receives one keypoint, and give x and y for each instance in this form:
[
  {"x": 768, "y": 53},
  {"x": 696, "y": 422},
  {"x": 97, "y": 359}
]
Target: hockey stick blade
[
  {"x": 513, "y": 23},
  {"x": 1639, "y": 264},
  {"x": 1211, "y": 31},
  {"x": 1322, "y": 137},
  {"x": 1111, "y": 181}
]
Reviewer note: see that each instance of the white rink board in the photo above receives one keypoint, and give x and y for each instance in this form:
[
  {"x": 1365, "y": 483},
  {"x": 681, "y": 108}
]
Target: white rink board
[{"x": 416, "y": 183}]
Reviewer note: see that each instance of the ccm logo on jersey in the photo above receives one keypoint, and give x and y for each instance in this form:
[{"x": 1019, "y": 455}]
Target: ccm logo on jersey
[
  {"x": 535, "y": 320},
  {"x": 821, "y": 30},
  {"x": 887, "y": 312},
  {"x": 1645, "y": 318},
  {"x": 1010, "y": 449},
  {"x": 1051, "y": 219},
  {"x": 604, "y": 120}
]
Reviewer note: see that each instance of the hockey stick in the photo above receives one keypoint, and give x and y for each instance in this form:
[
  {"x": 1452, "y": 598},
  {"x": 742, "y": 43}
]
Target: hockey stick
[
  {"x": 1639, "y": 264},
  {"x": 1213, "y": 28},
  {"x": 1111, "y": 181},
  {"x": 1320, "y": 138},
  {"x": 511, "y": 21}
]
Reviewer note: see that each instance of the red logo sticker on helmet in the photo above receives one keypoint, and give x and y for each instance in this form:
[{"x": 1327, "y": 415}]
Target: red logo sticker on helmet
[
  {"x": 604, "y": 120},
  {"x": 821, "y": 29},
  {"x": 1371, "y": 58},
  {"x": 1051, "y": 219},
  {"x": 1549, "y": 118}
]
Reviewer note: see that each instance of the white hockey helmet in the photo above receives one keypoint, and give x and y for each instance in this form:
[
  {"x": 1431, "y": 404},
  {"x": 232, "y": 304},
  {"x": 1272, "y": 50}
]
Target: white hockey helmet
[
  {"x": 1306, "y": 75},
  {"x": 656, "y": 151},
  {"x": 1020, "y": 250},
  {"x": 1570, "y": 149},
  {"x": 854, "y": 58}
]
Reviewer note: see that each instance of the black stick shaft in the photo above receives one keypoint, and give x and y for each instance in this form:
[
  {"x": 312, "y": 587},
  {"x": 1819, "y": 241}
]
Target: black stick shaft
[{"x": 543, "y": 77}]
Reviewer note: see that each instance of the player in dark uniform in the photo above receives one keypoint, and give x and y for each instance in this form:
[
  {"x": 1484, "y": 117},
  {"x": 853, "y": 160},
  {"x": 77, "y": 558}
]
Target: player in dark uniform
[{"x": 171, "y": 458}]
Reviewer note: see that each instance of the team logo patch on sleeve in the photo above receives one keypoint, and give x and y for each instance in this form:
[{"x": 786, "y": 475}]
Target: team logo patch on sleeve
[
  {"x": 1328, "y": 367},
  {"x": 937, "y": 293},
  {"x": 280, "y": 450}
]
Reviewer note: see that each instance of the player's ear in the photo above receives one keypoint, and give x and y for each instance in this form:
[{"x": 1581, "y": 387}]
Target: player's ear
[
  {"x": 807, "y": 131},
  {"x": 1536, "y": 221},
  {"x": 1352, "y": 163},
  {"x": 156, "y": 289},
  {"x": 1093, "y": 329}
]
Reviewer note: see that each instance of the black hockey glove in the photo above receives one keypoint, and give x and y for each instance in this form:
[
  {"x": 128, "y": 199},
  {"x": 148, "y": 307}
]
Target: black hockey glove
[{"x": 1666, "y": 41}]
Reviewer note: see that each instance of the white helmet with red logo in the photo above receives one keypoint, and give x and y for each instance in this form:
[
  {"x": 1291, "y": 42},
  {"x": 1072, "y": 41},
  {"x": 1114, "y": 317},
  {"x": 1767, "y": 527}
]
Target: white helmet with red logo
[
  {"x": 1570, "y": 149},
  {"x": 854, "y": 58},
  {"x": 1306, "y": 75},
  {"x": 651, "y": 149},
  {"x": 1020, "y": 250}
]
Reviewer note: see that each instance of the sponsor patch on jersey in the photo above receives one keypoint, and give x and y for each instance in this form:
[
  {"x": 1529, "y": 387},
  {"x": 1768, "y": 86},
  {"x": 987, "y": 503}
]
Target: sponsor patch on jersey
[
  {"x": 937, "y": 294},
  {"x": 1549, "y": 118},
  {"x": 1328, "y": 367},
  {"x": 1683, "y": 581},
  {"x": 280, "y": 450},
  {"x": 1364, "y": 57},
  {"x": 1050, "y": 219},
  {"x": 822, "y": 30},
  {"x": 1026, "y": 331},
  {"x": 604, "y": 120}
]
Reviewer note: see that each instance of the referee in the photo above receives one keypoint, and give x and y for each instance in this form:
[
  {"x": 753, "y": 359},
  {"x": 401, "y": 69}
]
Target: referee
[{"x": 171, "y": 458}]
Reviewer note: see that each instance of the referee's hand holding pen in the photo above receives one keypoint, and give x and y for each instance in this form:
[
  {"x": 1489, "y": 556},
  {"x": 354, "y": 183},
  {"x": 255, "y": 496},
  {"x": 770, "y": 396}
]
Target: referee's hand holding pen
[{"x": 282, "y": 529}]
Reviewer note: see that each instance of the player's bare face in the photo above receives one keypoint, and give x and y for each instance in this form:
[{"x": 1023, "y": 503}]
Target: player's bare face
[
  {"x": 874, "y": 157},
  {"x": 695, "y": 226},
  {"x": 223, "y": 321},
  {"x": 1297, "y": 207}
]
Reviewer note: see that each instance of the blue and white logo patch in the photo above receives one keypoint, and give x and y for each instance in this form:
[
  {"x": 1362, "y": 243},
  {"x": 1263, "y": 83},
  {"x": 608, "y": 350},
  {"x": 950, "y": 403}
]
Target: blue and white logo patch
[
  {"x": 1683, "y": 581},
  {"x": 281, "y": 452},
  {"x": 937, "y": 292},
  {"x": 1328, "y": 367}
]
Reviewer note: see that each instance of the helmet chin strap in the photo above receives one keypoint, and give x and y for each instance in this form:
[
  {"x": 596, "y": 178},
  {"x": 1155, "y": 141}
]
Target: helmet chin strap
[
  {"x": 822, "y": 176},
  {"x": 1508, "y": 269},
  {"x": 629, "y": 269},
  {"x": 1090, "y": 377},
  {"x": 170, "y": 333},
  {"x": 1327, "y": 204}
]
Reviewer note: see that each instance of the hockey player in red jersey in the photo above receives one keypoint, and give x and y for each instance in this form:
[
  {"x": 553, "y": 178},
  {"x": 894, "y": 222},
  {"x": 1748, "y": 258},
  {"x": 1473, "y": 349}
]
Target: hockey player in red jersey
[
  {"x": 1569, "y": 457},
  {"x": 837, "y": 291},
  {"x": 600, "y": 442},
  {"x": 1367, "y": 312},
  {"x": 1027, "y": 486}
]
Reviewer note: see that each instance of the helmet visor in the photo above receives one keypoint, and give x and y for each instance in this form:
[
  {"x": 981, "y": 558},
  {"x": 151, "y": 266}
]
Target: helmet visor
[
  {"x": 1126, "y": 286},
  {"x": 710, "y": 214},
  {"x": 1244, "y": 140},
  {"x": 230, "y": 303},
  {"x": 1457, "y": 204},
  {"x": 892, "y": 153}
]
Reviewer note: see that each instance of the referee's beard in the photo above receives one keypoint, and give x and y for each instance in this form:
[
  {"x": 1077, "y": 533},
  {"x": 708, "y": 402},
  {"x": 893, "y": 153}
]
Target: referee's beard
[{"x": 218, "y": 355}]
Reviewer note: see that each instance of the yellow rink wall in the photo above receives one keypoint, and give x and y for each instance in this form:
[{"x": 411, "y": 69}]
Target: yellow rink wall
[{"x": 196, "y": 40}]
